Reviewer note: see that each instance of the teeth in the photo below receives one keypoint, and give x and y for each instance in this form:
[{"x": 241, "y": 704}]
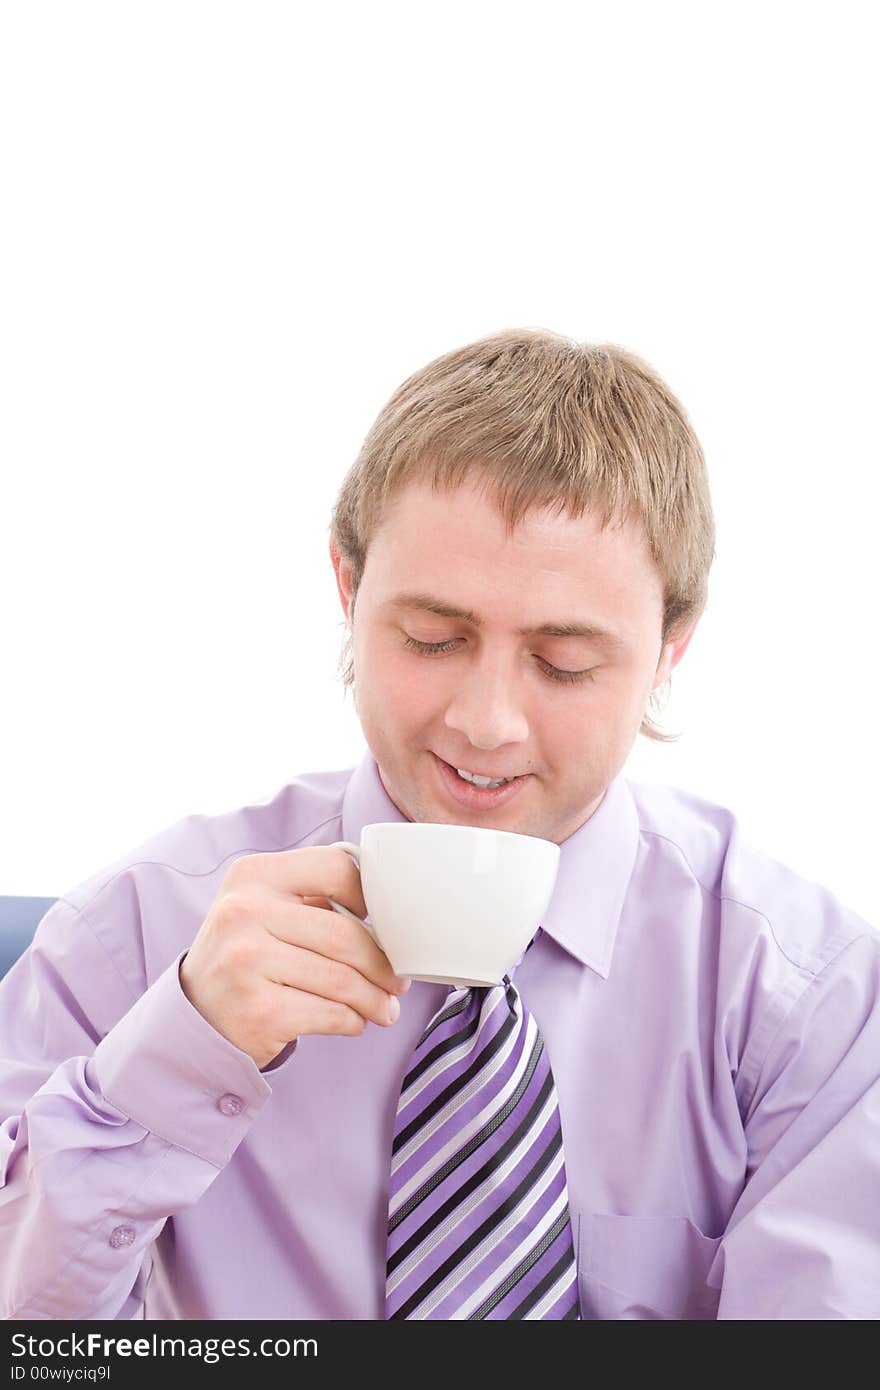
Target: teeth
[{"x": 481, "y": 781}]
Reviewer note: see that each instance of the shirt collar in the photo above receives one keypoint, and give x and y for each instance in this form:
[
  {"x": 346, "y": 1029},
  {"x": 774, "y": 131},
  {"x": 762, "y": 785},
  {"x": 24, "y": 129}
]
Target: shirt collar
[{"x": 595, "y": 863}]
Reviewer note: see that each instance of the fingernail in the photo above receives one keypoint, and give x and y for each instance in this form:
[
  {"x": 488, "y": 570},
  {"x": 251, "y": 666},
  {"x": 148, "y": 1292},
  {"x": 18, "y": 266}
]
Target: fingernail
[
  {"x": 403, "y": 983},
  {"x": 393, "y": 1009}
]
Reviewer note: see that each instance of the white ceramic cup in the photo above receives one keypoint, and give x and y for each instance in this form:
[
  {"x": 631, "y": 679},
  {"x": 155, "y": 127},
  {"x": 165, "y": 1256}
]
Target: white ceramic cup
[{"x": 452, "y": 904}]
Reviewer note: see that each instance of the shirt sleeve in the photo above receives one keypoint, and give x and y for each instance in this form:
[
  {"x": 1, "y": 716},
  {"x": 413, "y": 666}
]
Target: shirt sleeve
[
  {"x": 803, "y": 1241},
  {"x": 115, "y": 1113}
]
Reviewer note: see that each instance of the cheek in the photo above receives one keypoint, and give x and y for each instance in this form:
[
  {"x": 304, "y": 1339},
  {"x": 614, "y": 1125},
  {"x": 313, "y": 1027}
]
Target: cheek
[
  {"x": 585, "y": 722},
  {"x": 410, "y": 691}
]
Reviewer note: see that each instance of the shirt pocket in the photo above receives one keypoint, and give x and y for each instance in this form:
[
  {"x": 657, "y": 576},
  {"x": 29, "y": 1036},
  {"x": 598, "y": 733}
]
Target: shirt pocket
[{"x": 645, "y": 1267}]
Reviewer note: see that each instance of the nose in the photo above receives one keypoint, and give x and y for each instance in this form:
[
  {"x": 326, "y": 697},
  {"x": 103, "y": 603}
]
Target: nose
[{"x": 486, "y": 706}]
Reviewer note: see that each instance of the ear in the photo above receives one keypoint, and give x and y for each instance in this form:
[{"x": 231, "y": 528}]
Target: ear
[
  {"x": 344, "y": 578},
  {"x": 673, "y": 651}
]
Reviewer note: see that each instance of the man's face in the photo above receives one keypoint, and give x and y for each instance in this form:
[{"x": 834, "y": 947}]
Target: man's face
[{"x": 490, "y": 701}]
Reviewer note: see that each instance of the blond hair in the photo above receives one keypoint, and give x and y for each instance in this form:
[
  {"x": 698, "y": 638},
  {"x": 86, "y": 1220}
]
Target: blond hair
[{"x": 542, "y": 420}]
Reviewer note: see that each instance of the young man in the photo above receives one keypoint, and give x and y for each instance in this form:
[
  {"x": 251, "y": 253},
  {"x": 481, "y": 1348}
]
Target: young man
[{"x": 197, "y": 1115}]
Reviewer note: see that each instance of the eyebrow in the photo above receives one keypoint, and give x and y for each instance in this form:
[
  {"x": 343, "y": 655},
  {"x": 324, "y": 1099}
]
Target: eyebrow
[{"x": 426, "y": 603}]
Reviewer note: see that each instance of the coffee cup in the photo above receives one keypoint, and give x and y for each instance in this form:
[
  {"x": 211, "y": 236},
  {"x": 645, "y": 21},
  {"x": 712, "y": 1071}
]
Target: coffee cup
[{"x": 452, "y": 904}]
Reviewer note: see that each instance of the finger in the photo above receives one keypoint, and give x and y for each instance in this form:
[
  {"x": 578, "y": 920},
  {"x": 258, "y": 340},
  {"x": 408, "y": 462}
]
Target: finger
[
  {"x": 328, "y": 979},
  {"x": 316, "y": 870},
  {"x": 299, "y": 1012},
  {"x": 329, "y": 934}
]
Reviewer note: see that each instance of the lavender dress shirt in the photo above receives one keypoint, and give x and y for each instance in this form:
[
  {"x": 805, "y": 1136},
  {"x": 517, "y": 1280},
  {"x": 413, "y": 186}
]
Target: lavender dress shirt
[{"x": 712, "y": 1020}]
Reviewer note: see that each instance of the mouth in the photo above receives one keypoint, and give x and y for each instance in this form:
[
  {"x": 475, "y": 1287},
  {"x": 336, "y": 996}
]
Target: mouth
[{"x": 472, "y": 797}]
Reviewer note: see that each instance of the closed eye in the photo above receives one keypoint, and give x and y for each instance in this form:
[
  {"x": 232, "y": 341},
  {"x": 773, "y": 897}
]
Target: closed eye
[{"x": 553, "y": 672}]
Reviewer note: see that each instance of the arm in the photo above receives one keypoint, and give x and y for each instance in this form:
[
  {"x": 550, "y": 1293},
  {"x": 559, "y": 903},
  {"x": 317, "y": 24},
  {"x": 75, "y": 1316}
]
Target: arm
[
  {"x": 110, "y": 1122},
  {"x": 803, "y": 1242}
]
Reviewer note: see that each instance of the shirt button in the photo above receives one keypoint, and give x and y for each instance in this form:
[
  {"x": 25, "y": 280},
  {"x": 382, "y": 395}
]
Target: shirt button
[
  {"x": 230, "y": 1104},
  {"x": 122, "y": 1235}
]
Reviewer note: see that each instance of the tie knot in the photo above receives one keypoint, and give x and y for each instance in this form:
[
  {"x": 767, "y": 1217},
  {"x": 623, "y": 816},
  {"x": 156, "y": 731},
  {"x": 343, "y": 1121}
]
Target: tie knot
[{"x": 478, "y": 994}]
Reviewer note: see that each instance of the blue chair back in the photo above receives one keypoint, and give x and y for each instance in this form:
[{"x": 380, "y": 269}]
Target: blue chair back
[{"x": 19, "y": 918}]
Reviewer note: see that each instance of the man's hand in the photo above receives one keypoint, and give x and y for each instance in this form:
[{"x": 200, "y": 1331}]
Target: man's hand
[{"x": 272, "y": 960}]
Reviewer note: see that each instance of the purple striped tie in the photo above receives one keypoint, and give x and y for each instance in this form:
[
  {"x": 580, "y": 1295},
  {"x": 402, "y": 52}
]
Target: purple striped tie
[{"x": 478, "y": 1217}]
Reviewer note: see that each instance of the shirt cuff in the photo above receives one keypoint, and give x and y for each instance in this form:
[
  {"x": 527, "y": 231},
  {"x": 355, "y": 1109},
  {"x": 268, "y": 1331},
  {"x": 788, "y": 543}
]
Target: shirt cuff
[
  {"x": 278, "y": 1062},
  {"x": 168, "y": 1069}
]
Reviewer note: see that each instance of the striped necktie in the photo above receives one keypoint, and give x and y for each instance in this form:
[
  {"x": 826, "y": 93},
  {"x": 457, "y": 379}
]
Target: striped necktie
[{"x": 478, "y": 1216}]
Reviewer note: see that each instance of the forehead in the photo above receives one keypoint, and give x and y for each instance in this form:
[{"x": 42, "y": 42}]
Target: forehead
[
  {"x": 467, "y": 510},
  {"x": 555, "y": 569}
]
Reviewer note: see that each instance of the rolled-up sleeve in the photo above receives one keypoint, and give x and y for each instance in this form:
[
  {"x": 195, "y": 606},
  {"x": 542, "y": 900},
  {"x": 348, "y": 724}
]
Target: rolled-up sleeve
[
  {"x": 115, "y": 1112},
  {"x": 803, "y": 1241}
]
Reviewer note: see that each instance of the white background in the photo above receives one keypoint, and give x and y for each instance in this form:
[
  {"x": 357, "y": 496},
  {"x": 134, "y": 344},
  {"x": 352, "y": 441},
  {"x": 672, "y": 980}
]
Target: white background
[{"x": 230, "y": 230}]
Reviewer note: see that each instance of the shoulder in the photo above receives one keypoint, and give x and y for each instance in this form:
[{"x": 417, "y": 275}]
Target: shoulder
[
  {"x": 757, "y": 895},
  {"x": 198, "y": 845},
  {"x": 145, "y": 907},
  {"x": 778, "y": 942}
]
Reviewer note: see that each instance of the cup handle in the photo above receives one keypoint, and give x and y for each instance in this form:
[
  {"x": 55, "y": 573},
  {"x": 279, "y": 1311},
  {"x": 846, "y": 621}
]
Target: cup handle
[{"x": 355, "y": 852}]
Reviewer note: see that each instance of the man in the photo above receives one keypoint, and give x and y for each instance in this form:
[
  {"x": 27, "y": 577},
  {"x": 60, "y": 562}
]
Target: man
[{"x": 197, "y": 1115}]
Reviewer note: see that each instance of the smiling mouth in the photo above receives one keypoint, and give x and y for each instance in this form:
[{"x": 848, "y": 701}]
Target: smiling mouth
[
  {"x": 475, "y": 794},
  {"x": 480, "y": 778}
]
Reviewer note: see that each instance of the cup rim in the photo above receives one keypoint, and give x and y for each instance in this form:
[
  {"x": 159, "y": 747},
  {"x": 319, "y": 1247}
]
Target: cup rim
[{"x": 447, "y": 826}]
